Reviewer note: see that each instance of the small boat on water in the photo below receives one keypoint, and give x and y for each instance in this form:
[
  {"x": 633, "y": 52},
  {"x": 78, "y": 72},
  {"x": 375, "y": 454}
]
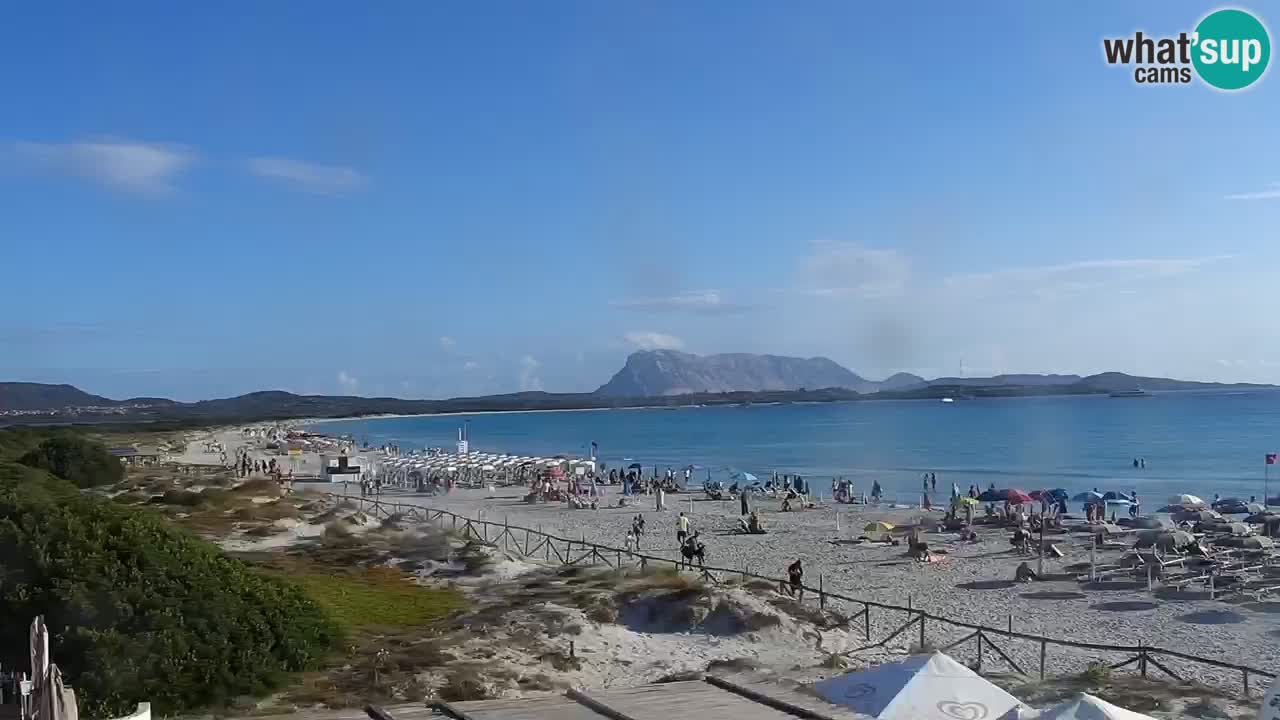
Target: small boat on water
[
  {"x": 1136, "y": 392},
  {"x": 948, "y": 400}
]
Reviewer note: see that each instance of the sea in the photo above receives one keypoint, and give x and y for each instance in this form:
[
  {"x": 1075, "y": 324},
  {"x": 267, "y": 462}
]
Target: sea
[{"x": 1203, "y": 443}]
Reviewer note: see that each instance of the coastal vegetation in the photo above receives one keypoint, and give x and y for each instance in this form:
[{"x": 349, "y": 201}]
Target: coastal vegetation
[
  {"x": 76, "y": 459},
  {"x": 139, "y": 610}
]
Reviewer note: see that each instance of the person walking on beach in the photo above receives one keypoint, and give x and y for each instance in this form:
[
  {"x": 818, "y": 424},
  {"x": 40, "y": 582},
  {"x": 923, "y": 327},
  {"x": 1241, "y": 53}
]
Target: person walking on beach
[
  {"x": 682, "y": 528},
  {"x": 660, "y": 498},
  {"x": 933, "y": 482},
  {"x": 1135, "y": 507},
  {"x": 795, "y": 574},
  {"x": 742, "y": 497}
]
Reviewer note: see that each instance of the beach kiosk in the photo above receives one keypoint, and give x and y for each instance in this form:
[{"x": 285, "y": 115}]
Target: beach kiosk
[{"x": 340, "y": 468}]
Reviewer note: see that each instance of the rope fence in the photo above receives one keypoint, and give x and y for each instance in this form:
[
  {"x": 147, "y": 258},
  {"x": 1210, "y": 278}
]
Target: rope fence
[{"x": 894, "y": 621}]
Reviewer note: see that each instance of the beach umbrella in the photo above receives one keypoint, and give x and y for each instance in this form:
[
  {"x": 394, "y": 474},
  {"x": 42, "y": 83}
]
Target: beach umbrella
[
  {"x": 1255, "y": 508},
  {"x": 1089, "y": 496},
  {"x": 1054, "y": 494},
  {"x": 742, "y": 477},
  {"x": 878, "y": 526},
  {"x": 1234, "y": 507},
  {"x": 1263, "y": 518},
  {"x": 922, "y": 687},
  {"x": 1017, "y": 497},
  {"x": 1113, "y": 496},
  {"x": 1252, "y": 542},
  {"x": 1237, "y": 528},
  {"x": 1196, "y": 516},
  {"x": 1164, "y": 539},
  {"x": 1088, "y": 707},
  {"x": 1188, "y": 502},
  {"x": 1150, "y": 523},
  {"x": 635, "y": 466},
  {"x": 990, "y": 496},
  {"x": 1226, "y": 501}
]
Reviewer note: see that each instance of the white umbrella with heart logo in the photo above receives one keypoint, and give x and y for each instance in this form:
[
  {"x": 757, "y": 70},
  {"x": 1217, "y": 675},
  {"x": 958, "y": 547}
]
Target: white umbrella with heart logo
[
  {"x": 923, "y": 687},
  {"x": 1088, "y": 707}
]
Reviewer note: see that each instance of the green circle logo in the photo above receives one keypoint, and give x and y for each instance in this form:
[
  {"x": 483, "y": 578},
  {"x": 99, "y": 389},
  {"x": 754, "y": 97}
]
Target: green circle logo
[{"x": 1232, "y": 49}]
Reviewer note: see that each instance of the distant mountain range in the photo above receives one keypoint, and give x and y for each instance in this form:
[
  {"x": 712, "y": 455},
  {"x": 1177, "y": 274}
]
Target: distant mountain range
[
  {"x": 658, "y": 378},
  {"x": 654, "y": 373}
]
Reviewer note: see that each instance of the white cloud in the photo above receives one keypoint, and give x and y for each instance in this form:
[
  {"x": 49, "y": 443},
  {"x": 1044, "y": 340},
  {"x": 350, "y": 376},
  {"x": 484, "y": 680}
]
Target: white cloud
[
  {"x": 309, "y": 177},
  {"x": 653, "y": 340},
  {"x": 1074, "y": 278},
  {"x": 529, "y": 379},
  {"x": 707, "y": 302},
  {"x": 348, "y": 383},
  {"x": 448, "y": 343},
  {"x": 470, "y": 365},
  {"x": 138, "y": 167},
  {"x": 1271, "y": 193},
  {"x": 848, "y": 269}
]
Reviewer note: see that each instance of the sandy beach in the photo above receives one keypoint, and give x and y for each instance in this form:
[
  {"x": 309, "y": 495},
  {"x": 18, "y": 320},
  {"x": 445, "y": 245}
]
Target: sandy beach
[{"x": 973, "y": 584}]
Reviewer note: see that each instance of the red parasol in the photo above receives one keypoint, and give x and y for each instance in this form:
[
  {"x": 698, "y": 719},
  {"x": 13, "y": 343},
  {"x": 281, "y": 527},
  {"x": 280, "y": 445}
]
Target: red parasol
[{"x": 1017, "y": 497}]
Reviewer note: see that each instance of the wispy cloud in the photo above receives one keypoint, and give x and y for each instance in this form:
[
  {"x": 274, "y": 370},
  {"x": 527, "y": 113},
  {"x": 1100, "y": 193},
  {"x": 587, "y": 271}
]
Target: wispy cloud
[
  {"x": 528, "y": 375},
  {"x": 1271, "y": 193},
  {"x": 347, "y": 382},
  {"x": 308, "y": 177},
  {"x": 849, "y": 269},
  {"x": 470, "y": 365},
  {"x": 705, "y": 302},
  {"x": 447, "y": 343},
  {"x": 128, "y": 166},
  {"x": 1070, "y": 274},
  {"x": 647, "y": 340}
]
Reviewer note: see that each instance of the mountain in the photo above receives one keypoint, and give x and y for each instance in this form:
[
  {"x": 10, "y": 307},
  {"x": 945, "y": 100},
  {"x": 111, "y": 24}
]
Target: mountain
[
  {"x": 1115, "y": 381},
  {"x": 657, "y": 379},
  {"x": 651, "y": 373},
  {"x": 901, "y": 381},
  {"x": 39, "y": 396},
  {"x": 1024, "y": 380}
]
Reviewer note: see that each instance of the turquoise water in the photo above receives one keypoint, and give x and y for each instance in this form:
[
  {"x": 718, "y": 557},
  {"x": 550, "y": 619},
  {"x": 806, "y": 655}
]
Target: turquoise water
[{"x": 1203, "y": 443}]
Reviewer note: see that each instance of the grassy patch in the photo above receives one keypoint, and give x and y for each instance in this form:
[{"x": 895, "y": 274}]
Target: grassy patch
[{"x": 378, "y": 597}]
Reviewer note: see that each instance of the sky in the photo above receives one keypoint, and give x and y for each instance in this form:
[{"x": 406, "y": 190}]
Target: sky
[{"x": 445, "y": 199}]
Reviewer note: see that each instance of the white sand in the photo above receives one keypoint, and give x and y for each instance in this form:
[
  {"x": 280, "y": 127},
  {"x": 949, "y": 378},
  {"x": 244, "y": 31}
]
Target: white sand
[{"x": 971, "y": 585}]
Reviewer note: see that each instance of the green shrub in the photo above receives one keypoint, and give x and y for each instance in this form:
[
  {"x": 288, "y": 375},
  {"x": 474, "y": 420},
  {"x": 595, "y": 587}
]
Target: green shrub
[
  {"x": 83, "y": 462},
  {"x": 138, "y": 610}
]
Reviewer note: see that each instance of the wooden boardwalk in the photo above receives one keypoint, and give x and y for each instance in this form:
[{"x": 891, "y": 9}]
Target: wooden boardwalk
[
  {"x": 712, "y": 699},
  {"x": 694, "y": 698}
]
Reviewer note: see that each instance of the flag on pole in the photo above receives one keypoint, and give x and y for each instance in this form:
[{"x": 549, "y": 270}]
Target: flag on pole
[{"x": 1271, "y": 458}]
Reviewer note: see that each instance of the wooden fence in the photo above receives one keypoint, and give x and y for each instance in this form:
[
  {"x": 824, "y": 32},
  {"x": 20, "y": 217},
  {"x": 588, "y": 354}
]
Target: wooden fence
[{"x": 567, "y": 551}]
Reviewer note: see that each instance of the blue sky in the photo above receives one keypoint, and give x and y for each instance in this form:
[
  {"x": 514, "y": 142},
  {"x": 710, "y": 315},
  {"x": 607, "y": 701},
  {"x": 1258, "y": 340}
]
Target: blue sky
[{"x": 438, "y": 199}]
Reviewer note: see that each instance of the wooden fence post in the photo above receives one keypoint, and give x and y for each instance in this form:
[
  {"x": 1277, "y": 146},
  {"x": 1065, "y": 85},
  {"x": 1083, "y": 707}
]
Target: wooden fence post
[
  {"x": 1246, "y": 682},
  {"x": 822, "y": 594},
  {"x": 1010, "y": 623},
  {"x": 1142, "y": 659},
  {"x": 921, "y": 631},
  {"x": 1043, "y": 647},
  {"x": 979, "y": 667},
  {"x": 866, "y": 620}
]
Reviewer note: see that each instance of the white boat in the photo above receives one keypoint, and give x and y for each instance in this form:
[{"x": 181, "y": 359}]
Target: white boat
[{"x": 948, "y": 400}]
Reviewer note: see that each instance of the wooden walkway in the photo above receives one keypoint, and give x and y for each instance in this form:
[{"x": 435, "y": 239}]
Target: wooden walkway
[
  {"x": 705, "y": 700},
  {"x": 708, "y": 699}
]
